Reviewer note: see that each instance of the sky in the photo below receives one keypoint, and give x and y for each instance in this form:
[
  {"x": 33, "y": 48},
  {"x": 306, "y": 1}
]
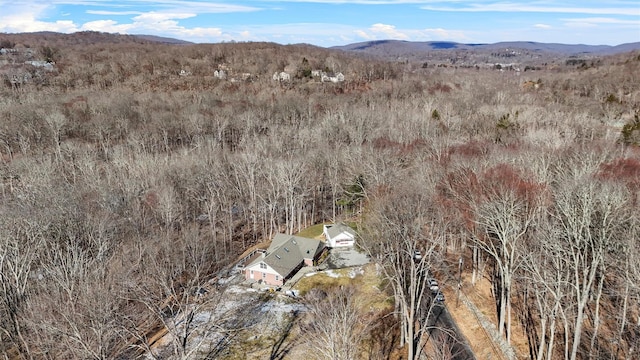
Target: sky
[{"x": 336, "y": 22}]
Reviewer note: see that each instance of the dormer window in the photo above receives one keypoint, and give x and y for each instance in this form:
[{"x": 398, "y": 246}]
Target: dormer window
[{"x": 263, "y": 265}]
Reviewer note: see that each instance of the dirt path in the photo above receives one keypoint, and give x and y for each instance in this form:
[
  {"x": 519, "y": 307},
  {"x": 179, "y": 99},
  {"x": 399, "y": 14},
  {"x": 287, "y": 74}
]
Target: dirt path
[{"x": 482, "y": 343}]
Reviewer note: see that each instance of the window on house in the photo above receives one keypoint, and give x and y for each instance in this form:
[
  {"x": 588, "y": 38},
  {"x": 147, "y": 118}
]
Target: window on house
[
  {"x": 277, "y": 277},
  {"x": 263, "y": 266},
  {"x": 264, "y": 275}
]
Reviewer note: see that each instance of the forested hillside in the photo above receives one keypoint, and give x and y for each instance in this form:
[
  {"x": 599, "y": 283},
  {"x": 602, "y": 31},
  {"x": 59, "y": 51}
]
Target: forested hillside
[{"x": 130, "y": 175}]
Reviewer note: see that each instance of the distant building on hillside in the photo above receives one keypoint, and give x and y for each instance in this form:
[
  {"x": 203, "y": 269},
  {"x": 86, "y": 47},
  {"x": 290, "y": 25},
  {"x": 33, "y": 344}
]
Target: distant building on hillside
[
  {"x": 281, "y": 76},
  {"x": 220, "y": 74},
  {"x": 336, "y": 78}
]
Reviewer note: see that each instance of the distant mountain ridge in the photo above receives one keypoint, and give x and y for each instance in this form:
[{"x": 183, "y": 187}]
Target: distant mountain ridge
[
  {"x": 399, "y": 47},
  {"x": 384, "y": 49},
  {"x": 160, "y": 39},
  {"x": 86, "y": 37}
]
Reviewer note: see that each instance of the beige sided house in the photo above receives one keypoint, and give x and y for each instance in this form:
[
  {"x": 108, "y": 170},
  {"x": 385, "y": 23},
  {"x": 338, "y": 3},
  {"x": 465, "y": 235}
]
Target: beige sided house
[{"x": 285, "y": 256}]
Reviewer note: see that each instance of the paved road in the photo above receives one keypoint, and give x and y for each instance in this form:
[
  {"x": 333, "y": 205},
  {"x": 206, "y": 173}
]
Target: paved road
[{"x": 445, "y": 332}]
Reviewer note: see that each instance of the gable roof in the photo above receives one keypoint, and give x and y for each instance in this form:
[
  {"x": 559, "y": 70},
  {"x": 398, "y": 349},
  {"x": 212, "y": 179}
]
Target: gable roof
[
  {"x": 287, "y": 252},
  {"x": 337, "y": 229}
]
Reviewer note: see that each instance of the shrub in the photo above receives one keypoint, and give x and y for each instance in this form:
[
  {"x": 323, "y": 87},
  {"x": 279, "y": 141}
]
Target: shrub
[
  {"x": 611, "y": 98},
  {"x": 435, "y": 115},
  {"x": 7, "y": 44},
  {"x": 630, "y": 134}
]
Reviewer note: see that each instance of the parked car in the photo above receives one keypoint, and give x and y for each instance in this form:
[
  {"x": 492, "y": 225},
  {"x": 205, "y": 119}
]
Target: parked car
[
  {"x": 417, "y": 255},
  {"x": 433, "y": 286},
  {"x": 439, "y": 298}
]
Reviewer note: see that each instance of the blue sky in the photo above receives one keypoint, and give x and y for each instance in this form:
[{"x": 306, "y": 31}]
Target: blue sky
[{"x": 336, "y": 22}]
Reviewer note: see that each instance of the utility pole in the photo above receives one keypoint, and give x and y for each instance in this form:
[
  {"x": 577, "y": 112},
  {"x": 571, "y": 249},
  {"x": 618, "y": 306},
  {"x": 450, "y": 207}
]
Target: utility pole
[{"x": 459, "y": 281}]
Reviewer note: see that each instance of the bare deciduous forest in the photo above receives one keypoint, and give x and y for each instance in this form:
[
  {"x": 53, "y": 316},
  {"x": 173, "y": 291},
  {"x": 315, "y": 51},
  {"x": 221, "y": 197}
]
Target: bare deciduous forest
[{"x": 130, "y": 175}]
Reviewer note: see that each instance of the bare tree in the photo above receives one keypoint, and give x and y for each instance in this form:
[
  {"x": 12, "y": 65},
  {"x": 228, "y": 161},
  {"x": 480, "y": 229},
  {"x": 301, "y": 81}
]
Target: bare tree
[
  {"x": 20, "y": 245},
  {"x": 628, "y": 333},
  {"x": 590, "y": 217},
  {"x": 507, "y": 217},
  {"x": 247, "y": 173},
  {"x": 181, "y": 298},
  {"x": 336, "y": 324},
  {"x": 444, "y": 347},
  {"x": 399, "y": 226},
  {"x": 549, "y": 278}
]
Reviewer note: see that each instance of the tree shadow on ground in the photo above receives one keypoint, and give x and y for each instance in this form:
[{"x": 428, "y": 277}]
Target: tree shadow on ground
[{"x": 279, "y": 350}]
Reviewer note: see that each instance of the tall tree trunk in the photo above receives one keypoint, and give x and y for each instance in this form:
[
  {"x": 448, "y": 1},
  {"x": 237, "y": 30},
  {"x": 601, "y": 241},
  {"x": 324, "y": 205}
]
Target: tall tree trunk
[
  {"x": 507, "y": 299},
  {"x": 596, "y": 318},
  {"x": 474, "y": 264}
]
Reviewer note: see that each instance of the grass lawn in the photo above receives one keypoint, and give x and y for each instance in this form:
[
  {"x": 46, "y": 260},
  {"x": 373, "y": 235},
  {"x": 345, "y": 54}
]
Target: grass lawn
[
  {"x": 312, "y": 232},
  {"x": 368, "y": 285}
]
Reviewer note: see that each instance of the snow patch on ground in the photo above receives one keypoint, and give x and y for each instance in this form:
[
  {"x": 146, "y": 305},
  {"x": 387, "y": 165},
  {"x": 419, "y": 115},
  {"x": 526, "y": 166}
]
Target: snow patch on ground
[
  {"x": 277, "y": 305},
  {"x": 332, "y": 274},
  {"x": 226, "y": 310},
  {"x": 237, "y": 289}
]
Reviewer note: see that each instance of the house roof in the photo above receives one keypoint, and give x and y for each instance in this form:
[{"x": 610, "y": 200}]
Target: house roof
[
  {"x": 337, "y": 229},
  {"x": 287, "y": 252}
]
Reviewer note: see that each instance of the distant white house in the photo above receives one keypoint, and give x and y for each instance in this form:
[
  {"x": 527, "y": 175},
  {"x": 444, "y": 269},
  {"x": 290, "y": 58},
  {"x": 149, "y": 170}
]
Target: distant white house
[
  {"x": 281, "y": 76},
  {"x": 339, "y": 235},
  {"x": 41, "y": 64},
  {"x": 339, "y": 77}
]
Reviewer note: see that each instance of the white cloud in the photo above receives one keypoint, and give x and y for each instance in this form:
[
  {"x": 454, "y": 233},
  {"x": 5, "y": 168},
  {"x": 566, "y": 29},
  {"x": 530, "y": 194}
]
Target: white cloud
[
  {"x": 24, "y": 18},
  {"x": 114, "y": 13},
  {"x": 28, "y": 23},
  {"x": 155, "y": 17},
  {"x": 31, "y": 15},
  {"x": 199, "y": 33},
  {"x": 542, "y": 26},
  {"x": 381, "y": 31},
  {"x": 515, "y": 7},
  {"x": 603, "y": 23},
  {"x": 388, "y": 31},
  {"x": 157, "y": 23},
  {"x": 110, "y": 26},
  {"x": 384, "y": 31},
  {"x": 443, "y": 34},
  {"x": 603, "y": 20},
  {"x": 198, "y": 7},
  {"x": 364, "y": 35},
  {"x": 361, "y": 2}
]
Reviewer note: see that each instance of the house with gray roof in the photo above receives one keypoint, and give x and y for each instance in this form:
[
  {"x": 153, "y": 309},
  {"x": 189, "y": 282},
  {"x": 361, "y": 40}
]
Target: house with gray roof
[
  {"x": 285, "y": 256},
  {"x": 339, "y": 235}
]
